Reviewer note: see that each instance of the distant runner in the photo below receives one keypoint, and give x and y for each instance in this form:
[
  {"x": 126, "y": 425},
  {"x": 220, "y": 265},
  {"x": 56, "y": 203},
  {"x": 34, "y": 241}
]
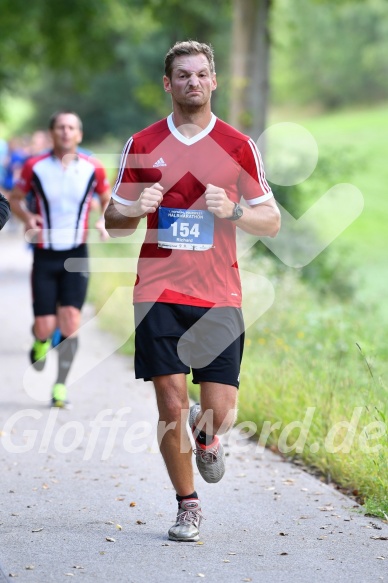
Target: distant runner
[{"x": 62, "y": 181}]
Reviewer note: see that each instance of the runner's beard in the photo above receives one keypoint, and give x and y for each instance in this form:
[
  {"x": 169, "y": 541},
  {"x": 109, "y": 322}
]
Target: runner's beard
[{"x": 192, "y": 107}]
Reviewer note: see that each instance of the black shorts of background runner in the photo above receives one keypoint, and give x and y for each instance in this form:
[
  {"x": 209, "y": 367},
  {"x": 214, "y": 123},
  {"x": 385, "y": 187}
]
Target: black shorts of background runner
[
  {"x": 53, "y": 285},
  {"x": 174, "y": 338}
]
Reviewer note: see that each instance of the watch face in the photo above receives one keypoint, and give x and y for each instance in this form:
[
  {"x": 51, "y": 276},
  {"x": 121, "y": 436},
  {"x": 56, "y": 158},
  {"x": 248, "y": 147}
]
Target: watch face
[{"x": 238, "y": 211}]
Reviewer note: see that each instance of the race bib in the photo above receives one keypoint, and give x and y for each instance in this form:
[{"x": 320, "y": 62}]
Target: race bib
[{"x": 185, "y": 229}]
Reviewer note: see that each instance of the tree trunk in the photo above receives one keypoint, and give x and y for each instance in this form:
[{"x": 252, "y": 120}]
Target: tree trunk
[{"x": 250, "y": 66}]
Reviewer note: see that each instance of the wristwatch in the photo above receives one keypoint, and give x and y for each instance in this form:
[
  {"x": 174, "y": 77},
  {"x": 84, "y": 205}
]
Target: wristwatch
[{"x": 237, "y": 212}]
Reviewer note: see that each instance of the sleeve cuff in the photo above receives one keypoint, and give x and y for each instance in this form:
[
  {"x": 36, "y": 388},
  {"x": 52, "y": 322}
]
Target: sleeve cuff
[
  {"x": 122, "y": 200},
  {"x": 259, "y": 199}
]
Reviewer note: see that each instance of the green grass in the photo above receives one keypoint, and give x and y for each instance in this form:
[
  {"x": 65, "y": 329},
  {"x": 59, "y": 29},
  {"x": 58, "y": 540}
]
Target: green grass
[
  {"x": 305, "y": 353},
  {"x": 310, "y": 351},
  {"x": 364, "y": 133}
]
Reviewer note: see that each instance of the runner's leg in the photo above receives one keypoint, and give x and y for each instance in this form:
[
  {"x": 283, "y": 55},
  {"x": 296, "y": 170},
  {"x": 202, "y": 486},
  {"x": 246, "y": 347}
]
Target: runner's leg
[{"x": 173, "y": 404}]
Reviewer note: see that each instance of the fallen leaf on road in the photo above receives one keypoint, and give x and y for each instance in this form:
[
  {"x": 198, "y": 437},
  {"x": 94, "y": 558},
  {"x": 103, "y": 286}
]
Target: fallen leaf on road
[
  {"x": 201, "y": 575},
  {"x": 132, "y": 504},
  {"x": 379, "y": 537},
  {"x": 30, "y": 567},
  {"x": 119, "y": 527},
  {"x": 110, "y": 540},
  {"x": 37, "y": 530},
  {"x": 283, "y": 553},
  {"x": 140, "y": 522}
]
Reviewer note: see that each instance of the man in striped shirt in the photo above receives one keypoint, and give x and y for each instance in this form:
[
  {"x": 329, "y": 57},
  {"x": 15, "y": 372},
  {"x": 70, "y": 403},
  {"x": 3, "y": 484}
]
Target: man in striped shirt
[{"x": 62, "y": 182}]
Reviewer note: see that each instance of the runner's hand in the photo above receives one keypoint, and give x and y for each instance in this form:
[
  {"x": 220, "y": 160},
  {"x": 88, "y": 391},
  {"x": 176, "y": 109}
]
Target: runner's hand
[
  {"x": 218, "y": 202},
  {"x": 149, "y": 200},
  {"x": 100, "y": 226},
  {"x": 34, "y": 222},
  {"x": 32, "y": 227}
]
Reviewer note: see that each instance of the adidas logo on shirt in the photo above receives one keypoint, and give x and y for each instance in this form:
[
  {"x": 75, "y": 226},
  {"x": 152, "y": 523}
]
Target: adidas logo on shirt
[{"x": 159, "y": 163}]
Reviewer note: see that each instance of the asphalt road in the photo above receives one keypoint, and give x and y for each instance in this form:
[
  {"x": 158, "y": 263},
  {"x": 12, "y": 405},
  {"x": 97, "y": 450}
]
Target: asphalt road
[{"x": 84, "y": 493}]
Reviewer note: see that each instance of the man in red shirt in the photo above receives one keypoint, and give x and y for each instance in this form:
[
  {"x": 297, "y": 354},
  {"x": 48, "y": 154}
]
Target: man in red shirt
[
  {"x": 62, "y": 182},
  {"x": 187, "y": 174}
]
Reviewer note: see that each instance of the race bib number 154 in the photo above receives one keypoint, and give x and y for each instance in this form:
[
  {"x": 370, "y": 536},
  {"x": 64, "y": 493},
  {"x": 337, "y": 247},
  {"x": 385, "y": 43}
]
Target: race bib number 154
[{"x": 185, "y": 229}]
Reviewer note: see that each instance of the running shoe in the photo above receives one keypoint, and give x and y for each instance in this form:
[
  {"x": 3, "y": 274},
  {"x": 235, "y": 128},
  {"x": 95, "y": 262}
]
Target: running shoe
[
  {"x": 188, "y": 521},
  {"x": 59, "y": 397},
  {"x": 38, "y": 354},
  {"x": 56, "y": 338},
  {"x": 210, "y": 458}
]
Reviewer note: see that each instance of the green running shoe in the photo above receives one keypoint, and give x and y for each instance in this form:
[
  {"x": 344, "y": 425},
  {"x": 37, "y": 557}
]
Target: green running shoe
[
  {"x": 59, "y": 394},
  {"x": 38, "y": 354}
]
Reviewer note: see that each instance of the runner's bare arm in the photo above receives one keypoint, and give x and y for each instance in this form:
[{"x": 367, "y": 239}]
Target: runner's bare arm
[
  {"x": 104, "y": 199},
  {"x": 19, "y": 209}
]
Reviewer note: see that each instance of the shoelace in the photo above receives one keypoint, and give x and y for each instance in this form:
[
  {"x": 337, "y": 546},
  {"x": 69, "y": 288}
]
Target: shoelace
[
  {"x": 208, "y": 456},
  {"x": 190, "y": 516}
]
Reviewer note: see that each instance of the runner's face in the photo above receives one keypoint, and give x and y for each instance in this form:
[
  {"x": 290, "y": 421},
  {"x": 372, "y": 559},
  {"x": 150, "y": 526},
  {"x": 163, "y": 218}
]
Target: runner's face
[
  {"x": 191, "y": 82},
  {"x": 66, "y": 133}
]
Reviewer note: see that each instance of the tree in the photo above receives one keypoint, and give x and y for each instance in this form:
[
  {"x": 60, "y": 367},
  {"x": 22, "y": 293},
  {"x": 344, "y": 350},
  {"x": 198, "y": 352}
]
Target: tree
[{"x": 250, "y": 65}]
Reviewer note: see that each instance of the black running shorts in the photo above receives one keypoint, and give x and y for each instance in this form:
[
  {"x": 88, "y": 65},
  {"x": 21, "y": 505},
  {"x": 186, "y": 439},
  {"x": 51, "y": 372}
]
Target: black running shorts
[
  {"x": 175, "y": 338},
  {"x": 53, "y": 285}
]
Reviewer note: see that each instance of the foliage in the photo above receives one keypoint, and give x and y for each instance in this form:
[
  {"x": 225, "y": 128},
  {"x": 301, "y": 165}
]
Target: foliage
[
  {"x": 56, "y": 34},
  {"x": 328, "y": 273},
  {"x": 105, "y": 56},
  {"x": 332, "y": 53},
  {"x": 128, "y": 94}
]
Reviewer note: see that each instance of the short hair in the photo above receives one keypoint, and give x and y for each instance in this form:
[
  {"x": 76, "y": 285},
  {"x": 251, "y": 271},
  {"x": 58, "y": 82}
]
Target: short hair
[
  {"x": 53, "y": 119},
  {"x": 188, "y": 47}
]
